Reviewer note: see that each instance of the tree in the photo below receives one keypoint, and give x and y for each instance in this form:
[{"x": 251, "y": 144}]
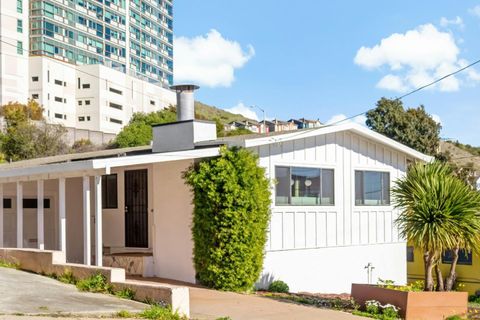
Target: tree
[
  {"x": 138, "y": 132},
  {"x": 438, "y": 212},
  {"x": 413, "y": 127},
  {"x": 15, "y": 113},
  {"x": 27, "y": 135},
  {"x": 230, "y": 221}
]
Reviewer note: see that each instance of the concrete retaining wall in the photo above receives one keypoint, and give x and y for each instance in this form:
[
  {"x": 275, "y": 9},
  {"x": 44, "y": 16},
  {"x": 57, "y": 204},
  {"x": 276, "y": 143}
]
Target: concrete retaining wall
[{"x": 54, "y": 262}]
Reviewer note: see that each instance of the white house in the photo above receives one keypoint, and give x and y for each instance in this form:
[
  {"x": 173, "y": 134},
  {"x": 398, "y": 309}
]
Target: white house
[{"x": 331, "y": 210}]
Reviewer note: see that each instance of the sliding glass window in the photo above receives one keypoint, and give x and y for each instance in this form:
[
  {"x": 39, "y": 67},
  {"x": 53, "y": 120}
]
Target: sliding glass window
[{"x": 301, "y": 186}]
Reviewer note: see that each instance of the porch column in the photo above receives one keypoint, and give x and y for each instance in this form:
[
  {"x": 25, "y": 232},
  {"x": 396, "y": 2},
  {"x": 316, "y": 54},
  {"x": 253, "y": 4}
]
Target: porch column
[
  {"x": 86, "y": 222},
  {"x": 62, "y": 225},
  {"x": 40, "y": 216},
  {"x": 1, "y": 215},
  {"x": 98, "y": 221},
  {"x": 19, "y": 215}
]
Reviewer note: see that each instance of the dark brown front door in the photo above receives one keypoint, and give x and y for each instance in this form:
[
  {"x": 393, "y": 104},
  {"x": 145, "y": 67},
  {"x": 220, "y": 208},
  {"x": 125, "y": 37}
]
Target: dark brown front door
[{"x": 136, "y": 209}]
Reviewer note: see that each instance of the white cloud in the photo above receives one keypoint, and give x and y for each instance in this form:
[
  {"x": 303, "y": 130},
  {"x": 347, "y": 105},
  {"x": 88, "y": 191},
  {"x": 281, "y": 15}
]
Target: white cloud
[
  {"x": 436, "y": 118},
  {"x": 457, "y": 21},
  {"x": 209, "y": 60},
  {"x": 475, "y": 10},
  {"x": 393, "y": 83},
  {"x": 341, "y": 118},
  {"x": 414, "y": 59},
  {"x": 245, "y": 111}
]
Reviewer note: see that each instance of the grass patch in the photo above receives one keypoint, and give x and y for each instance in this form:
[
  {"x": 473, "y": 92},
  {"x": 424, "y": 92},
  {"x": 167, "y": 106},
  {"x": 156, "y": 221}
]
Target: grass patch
[
  {"x": 374, "y": 316},
  {"x": 124, "y": 314},
  {"x": 67, "y": 277},
  {"x": 97, "y": 284},
  {"x": 126, "y": 293},
  {"x": 7, "y": 264},
  {"x": 160, "y": 313}
]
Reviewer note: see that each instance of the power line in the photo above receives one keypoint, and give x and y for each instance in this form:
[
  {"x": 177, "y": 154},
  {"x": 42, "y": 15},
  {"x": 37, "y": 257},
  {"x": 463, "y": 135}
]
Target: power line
[
  {"x": 328, "y": 125},
  {"x": 403, "y": 96}
]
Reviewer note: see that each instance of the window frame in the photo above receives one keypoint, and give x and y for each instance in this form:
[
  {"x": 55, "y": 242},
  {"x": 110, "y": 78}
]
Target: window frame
[
  {"x": 410, "y": 254},
  {"x": 461, "y": 254},
  {"x": 371, "y": 170},
  {"x": 290, "y": 166}
]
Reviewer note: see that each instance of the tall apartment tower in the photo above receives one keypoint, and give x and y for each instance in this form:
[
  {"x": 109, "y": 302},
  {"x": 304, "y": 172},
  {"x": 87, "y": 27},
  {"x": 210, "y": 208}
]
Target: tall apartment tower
[
  {"x": 91, "y": 64},
  {"x": 135, "y": 37},
  {"x": 14, "y": 41}
]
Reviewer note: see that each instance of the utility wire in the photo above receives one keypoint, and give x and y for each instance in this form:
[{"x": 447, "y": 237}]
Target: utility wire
[
  {"x": 300, "y": 133},
  {"x": 398, "y": 98}
]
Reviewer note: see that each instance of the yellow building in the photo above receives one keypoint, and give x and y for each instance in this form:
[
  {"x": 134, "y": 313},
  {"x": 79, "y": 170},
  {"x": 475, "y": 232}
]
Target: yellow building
[{"x": 468, "y": 268}]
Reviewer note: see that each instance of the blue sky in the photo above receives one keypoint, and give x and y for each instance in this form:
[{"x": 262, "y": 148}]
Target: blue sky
[{"x": 304, "y": 58}]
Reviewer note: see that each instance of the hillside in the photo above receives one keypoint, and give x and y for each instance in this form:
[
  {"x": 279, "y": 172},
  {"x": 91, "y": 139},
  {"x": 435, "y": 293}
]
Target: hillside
[
  {"x": 207, "y": 112},
  {"x": 462, "y": 155}
]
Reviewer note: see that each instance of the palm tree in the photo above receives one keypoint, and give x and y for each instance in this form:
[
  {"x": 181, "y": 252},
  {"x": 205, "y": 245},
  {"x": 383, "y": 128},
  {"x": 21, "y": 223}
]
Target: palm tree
[{"x": 438, "y": 212}]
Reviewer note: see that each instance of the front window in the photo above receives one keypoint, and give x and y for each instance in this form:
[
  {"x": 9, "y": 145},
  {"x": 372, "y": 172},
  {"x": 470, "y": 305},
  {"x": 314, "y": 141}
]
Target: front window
[
  {"x": 372, "y": 188},
  {"x": 464, "y": 257},
  {"x": 299, "y": 186}
]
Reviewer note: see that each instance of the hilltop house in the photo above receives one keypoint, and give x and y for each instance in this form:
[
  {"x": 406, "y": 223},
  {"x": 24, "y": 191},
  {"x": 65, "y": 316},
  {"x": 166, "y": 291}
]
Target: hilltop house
[
  {"x": 331, "y": 209},
  {"x": 279, "y": 126},
  {"x": 303, "y": 123},
  {"x": 251, "y": 125}
]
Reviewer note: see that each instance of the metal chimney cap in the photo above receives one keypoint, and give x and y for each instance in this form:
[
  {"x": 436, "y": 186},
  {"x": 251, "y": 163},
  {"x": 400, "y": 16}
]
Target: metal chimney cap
[{"x": 184, "y": 87}]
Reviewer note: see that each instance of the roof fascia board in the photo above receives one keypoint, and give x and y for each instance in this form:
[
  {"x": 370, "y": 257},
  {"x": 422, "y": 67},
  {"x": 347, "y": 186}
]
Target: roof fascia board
[{"x": 333, "y": 129}]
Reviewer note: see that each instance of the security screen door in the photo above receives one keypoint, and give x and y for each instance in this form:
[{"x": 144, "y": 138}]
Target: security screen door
[{"x": 136, "y": 209}]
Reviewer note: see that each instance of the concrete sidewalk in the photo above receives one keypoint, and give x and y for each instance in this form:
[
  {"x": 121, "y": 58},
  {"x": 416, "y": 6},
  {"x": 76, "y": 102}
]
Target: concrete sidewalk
[
  {"x": 208, "y": 304},
  {"x": 27, "y": 293}
]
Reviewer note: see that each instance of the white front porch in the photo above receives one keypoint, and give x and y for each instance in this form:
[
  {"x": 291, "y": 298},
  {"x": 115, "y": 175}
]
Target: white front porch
[{"x": 66, "y": 212}]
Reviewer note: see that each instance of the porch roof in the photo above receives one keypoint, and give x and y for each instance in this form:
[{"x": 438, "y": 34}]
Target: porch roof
[{"x": 92, "y": 163}]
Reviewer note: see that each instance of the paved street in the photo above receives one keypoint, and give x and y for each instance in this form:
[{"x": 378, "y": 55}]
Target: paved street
[{"x": 27, "y": 293}]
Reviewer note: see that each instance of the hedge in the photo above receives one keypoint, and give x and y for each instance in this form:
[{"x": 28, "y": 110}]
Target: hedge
[{"x": 231, "y": 216}]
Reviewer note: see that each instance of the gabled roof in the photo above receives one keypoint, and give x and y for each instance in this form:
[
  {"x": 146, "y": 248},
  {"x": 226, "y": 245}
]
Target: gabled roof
[{"x": 254, "y": 140}]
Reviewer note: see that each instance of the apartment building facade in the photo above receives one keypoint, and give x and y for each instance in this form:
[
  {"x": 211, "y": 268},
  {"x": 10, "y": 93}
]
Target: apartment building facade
[{"x": 90, "y": 63}]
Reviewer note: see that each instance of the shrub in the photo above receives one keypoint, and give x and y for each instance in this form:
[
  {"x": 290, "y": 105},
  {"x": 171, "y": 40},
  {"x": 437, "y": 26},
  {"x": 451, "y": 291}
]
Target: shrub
[
  {"x": 232, "y": 201},
  {"x": 390, "y": 311},
  {"x": 278, "y": 286},
  {"x": 372, "y": 307},
  {"x": 126, "y": 293},
  {"x": 160, "y": 313},
  {"x": 97, "y": 283},
  {"x": 455, "y": 318}
]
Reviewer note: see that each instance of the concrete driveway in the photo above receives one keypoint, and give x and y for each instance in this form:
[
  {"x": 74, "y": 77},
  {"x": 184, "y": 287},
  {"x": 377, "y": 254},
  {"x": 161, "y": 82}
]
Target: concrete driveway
[
  {"x": 27, "y": 293},
  {"x": 206, "y": 304}
]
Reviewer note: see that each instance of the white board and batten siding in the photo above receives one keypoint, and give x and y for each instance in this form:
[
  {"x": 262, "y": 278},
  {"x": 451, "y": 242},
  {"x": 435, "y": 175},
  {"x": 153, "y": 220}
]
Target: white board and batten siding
[{"x": 325, "y": 248}]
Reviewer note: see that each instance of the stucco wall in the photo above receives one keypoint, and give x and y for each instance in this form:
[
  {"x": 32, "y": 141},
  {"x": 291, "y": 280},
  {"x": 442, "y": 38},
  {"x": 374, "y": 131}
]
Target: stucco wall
[
  {"x": 30, "y": 216},
  {"x": 333, "y": 270},
  {"x": 173, "y": 245}
]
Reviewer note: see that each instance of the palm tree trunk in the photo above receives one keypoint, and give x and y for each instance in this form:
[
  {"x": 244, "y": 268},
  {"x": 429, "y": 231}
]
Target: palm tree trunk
[
  {"x": 428, "y": 261},
  {"x": 452, "y": 276},
  {"x": 438, "y": 271}
]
